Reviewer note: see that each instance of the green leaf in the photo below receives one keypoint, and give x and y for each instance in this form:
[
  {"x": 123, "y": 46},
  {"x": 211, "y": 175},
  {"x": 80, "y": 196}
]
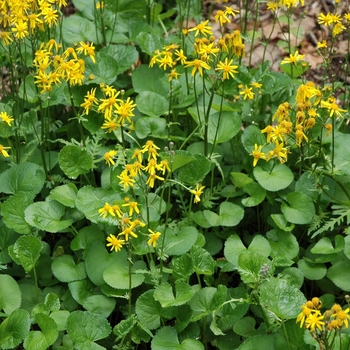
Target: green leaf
[
  {"x": 294, "y": 71},
  {"x": 153, "y": 126},
  {"x": 195, "y": 171},
  {"x": 273, "y": 177},
  {"x": 347, "y": 246},
  {"x": 342, "y": 151},
  {"x": 166, "y": 338},
  {"x": 90, "y": 200},
  {"x": 179, "y": 159},
  {"x": 86, "y": 236},
  {"x": 223, "y": 126},
  {"x": 234, "y": 247},
  {"x": 240, "y": 180},
  {"x": 42, "y": 340},
  {"x": 100, "y": 304},
  {"x": 125, "y": 56},
  {"x": 256, "y": 192},
  {"x": 97, "y": 259},
  {"x": 245, "y": 327},
  {"x": 65, "y": 194},
  {"x": 183, "y": 266},
  {"x": 24, "y": 178},
  {"x": 60, "y": 317},
  {"x": 65, "y": 269},
  {"x": 27, "y": 250},
  {"x": 27, "y": 90},
  {"x": 339, "y": 274},
  {"x": 12, "y": 211},
  {"x": 295, "y": 337},
  {"x": 152, "y": 104},
  {"x": 325, "y": 246},
  {"x": 123, "y": 328},
  {"x": 47, "y": 216},
  {"x": 165, "y": 295},
  {"x": 283, "y": 244},
  {"x": 200, "y": 303},
  {"x": 203, "y": 263},
  {"x": 14, "y": 329},
  {"x": 149, "y": 311},
  {"x": 252, "y": 135},
  {"x": 76, "y": 28},
  {"x": 300, "y": 210},
  {"x": 249, "y": 266},
  {"x": 149, "y": 42},
  {"x": 84, "y": 328},
  {"x": 10, "y": 294},
  {"x": 281, "y": 222},
  {"x": 119, "y": 278},
  {"x": 281, "y": 298},
  {"x": 230, "y": 214},
  {"x": 181, "y": 242},
  {"x": 74, "y": 161},
  {"x": 103, "y": 71},
  {"x": 151, "y": 79},
  {"x": 263, "y": 342},
  {"x": 312, "y": 271}
]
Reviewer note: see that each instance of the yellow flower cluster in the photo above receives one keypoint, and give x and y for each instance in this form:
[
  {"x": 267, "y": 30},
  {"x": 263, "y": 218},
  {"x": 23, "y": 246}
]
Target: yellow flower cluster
[
  {"x": 315, "y": 321},
  {"x": 208, "y": 52},
  {"x": 21, "y": 18},
  {"x": 128, "y": 222},
  {"x": 334, "y": 21},
  {"x": 276, "y": 4},
  {"x": 54, "y": 66},
  {"x": 117, "y": 112},
  {"x": 292, "y": 124}
]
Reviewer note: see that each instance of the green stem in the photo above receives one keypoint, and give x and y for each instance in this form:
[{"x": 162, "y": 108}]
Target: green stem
[{"x": 286, "y": 335}]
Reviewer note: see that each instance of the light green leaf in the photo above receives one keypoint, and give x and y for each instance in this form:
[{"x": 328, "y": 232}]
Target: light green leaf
[
  {"x": 223, "y": 126},
  {"x": 263, "y": 342},
  {"x": 201, "y": 303},
  {"x": 42, "y": 340},
  {"x": 152, "y": 104},
  {"x": 325, "y": 246},
  {"x": 256, "y": 192},
  {"x": 10, "y": 294},
  {"x": 273, "y": 177},
  {"x": 12, "y": 211},
  {"x": 149, "y": 42},
  {"x": 166, "y": 338},
  {"x": 249, "y": 266},
  {"x": 300, "y": 210},
  {"x": 125, "y": 56},
  {"x": 47, "y": 216},
  {"x": 74, "y": 161},
  {"x": 164, "y": 294},
  {"x": 149, "y": 311},
  {"x": 25, "y": 178},
  {"x": 281, "y": 222},
  {"x": 339, "y": 274},
  {"x": 283, "y": 244},
  {"x": 77, "y": 28},
  {"x": 203, "y": 263},
  {"x": 152, "y": 79},
  {"x": 119, "y": 278},
  {"x": 14, "y": 328},
  {"x": 65, "y": 269},
  {"x": 195, "y": 171},
  {"x": 230, "y": 214},
  {"x": 281, "y": 298},
  {"x": 240, "y": 180},
  {"x": 312, "y": 271},
  {"x": 181, "y": 242},
  {"x": 60, "y": 317},
  {"x": 84, "y": 328},
  {"x": 27, "y": 250},
  {"x": 154, "y": 126},
  {"x": 86, "y": 236},
  {"x": 103, "y": 71},
  {"x": 65, "y": 194},
  {"x": 252, "y": 135}
]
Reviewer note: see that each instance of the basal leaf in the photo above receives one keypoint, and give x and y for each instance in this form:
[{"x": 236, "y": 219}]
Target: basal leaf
[
  {"x": 152, "y": 104},
  {"x": 300, "y": 210},
  {"x": 10, "y": 294},
  {"x": 27, "y": 250}
]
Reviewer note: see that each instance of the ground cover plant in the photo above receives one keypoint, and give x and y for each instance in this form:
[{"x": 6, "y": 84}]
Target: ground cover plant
[{"x": 161, "y": 189}]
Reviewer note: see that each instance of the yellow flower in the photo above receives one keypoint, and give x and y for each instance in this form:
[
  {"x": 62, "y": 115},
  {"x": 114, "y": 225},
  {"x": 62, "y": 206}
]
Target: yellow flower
[
  {"x": 133, "y": 206},
  {"x": 106, "y": 209},
  {"x": 152, "y": 178},
  {"x": 202, "y": 28},
  {"x": 197, "y": 193},
  {"x": 126, "y": 180},
  {"x": 3, "y": 150},
  {"x": 322, "y": 44},
  {"x": 115, "y": 243},
  {"x": 221, "y": 17},
  {"x": 107, "y": 104},
  {"x": 326, "y": 20},
  {"x": 306, "y": 312},
  {"x": 227, "y": 68},
  {"x": 89, "y": 101},
  {"x": 247, "y": 92},
  {"x": 153, "y": 238},
  {"x": 197, "y": 65},
  {"x": 88, "y": 50},
  {"x": 314, "y": 320},
  {"x": 333, "y": 108},
  {"x": 293, "y": 59},
  {"x": 329, "y": 127},
  {"x": 173, "y": 75},
  {"x": 109, "y": 156},
  {"x": 6, "y": 118},
  {"x": 257, "y": 154},
  {"x": 128, "y": 231},
  {"x": 343, "y": 317}
]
